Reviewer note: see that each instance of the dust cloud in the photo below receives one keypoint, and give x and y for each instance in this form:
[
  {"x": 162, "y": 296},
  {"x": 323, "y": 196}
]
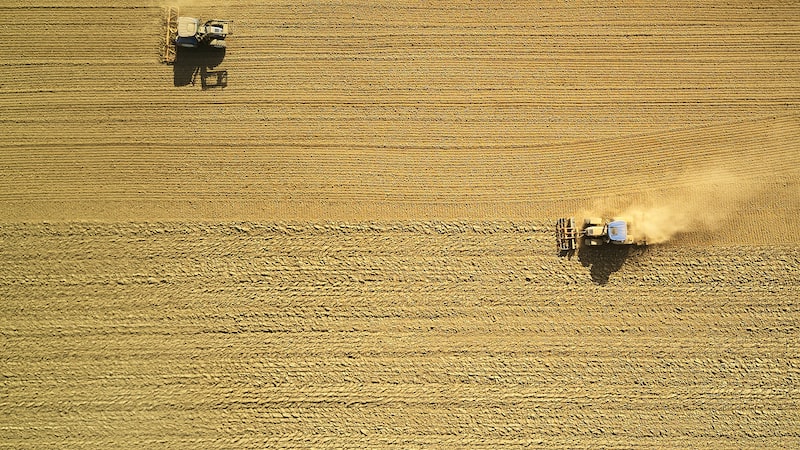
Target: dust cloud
[{"x": 703, "y": 202}]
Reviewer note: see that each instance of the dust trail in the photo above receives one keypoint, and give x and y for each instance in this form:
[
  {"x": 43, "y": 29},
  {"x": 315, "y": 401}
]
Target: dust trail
[{"x": 705, "y": 202}]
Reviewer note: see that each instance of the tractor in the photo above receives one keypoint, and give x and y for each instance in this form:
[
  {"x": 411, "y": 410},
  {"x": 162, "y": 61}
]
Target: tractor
[{"x": 595, "y": 231}]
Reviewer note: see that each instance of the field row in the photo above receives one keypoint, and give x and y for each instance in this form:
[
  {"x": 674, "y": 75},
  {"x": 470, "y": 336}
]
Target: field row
[
  {"x": 341, "y": 256},
  {"x": 741, "y": 172},
  {"x": 453, "y": 105},
  {"x": 386, "y": 157},
  {"x": 381, "y": 333},
  {"x": 396, "y": 111}
]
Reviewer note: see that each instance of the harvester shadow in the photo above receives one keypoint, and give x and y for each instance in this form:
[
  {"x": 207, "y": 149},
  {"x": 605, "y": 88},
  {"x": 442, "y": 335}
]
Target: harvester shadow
[
  {"x": 213, "y": 79},
  {"x": 603, "y": 260},
  {"x": 193, "y": 62}
]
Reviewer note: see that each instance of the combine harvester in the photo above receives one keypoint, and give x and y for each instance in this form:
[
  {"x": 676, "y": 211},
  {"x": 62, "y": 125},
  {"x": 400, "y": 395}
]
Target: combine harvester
[
  {"x": 182, "y": 31},
  {"x": 595, "y": 232}
]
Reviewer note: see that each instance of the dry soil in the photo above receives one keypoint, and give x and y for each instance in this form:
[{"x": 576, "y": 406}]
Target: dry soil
[{"x": 350, "y": 244}]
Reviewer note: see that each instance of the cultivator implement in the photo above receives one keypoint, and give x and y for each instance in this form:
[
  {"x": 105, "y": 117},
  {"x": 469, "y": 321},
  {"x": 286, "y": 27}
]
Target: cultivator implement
[{"x": 566, "y": 235}]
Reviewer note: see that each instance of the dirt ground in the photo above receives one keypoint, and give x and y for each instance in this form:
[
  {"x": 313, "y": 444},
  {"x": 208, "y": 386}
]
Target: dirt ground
[{"x": 350, "y": 243}]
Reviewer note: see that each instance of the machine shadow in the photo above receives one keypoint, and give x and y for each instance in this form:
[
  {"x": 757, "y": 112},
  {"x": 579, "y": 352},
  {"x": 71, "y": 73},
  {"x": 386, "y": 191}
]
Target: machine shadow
[
  {"x": 603, "y": 260},
  {"x": 193, "y": 62}
]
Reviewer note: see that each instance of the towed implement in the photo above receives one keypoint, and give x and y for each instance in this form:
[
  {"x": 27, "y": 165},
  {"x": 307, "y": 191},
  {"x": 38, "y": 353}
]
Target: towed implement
[{"x": 566, "y": 235}]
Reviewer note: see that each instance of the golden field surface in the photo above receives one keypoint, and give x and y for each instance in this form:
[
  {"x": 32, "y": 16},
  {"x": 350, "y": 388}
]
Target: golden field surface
[{"x": 351, "y": 243}]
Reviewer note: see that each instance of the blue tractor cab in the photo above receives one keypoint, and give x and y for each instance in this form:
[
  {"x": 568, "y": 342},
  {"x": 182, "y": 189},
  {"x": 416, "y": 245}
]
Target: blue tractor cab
[{"x": 618, "y": 232}]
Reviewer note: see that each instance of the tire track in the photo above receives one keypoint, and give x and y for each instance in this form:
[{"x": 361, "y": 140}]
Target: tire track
[{"x": 352, "y": 334}]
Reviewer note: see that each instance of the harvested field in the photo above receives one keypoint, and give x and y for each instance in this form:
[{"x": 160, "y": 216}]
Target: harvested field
[{"x": 350, "y": 244}]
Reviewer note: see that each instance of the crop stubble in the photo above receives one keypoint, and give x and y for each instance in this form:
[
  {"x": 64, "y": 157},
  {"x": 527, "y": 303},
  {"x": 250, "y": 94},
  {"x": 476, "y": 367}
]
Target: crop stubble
[
  {"x": 396, "y": 111},
  {"x": 351, "y": 244}
]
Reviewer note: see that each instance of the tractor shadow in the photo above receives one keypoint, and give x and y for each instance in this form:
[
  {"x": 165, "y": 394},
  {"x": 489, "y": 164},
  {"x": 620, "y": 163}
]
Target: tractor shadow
[
  {"x": 604, "y": 260},
  {"x": 191, "y": 63}
]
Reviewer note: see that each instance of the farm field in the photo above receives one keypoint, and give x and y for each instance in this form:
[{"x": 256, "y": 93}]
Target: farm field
[{"x": 351, "y": 243}]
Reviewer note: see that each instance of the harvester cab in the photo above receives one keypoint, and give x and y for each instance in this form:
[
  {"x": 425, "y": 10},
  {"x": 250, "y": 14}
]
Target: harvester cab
[{"x": 212, "y": 33}]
